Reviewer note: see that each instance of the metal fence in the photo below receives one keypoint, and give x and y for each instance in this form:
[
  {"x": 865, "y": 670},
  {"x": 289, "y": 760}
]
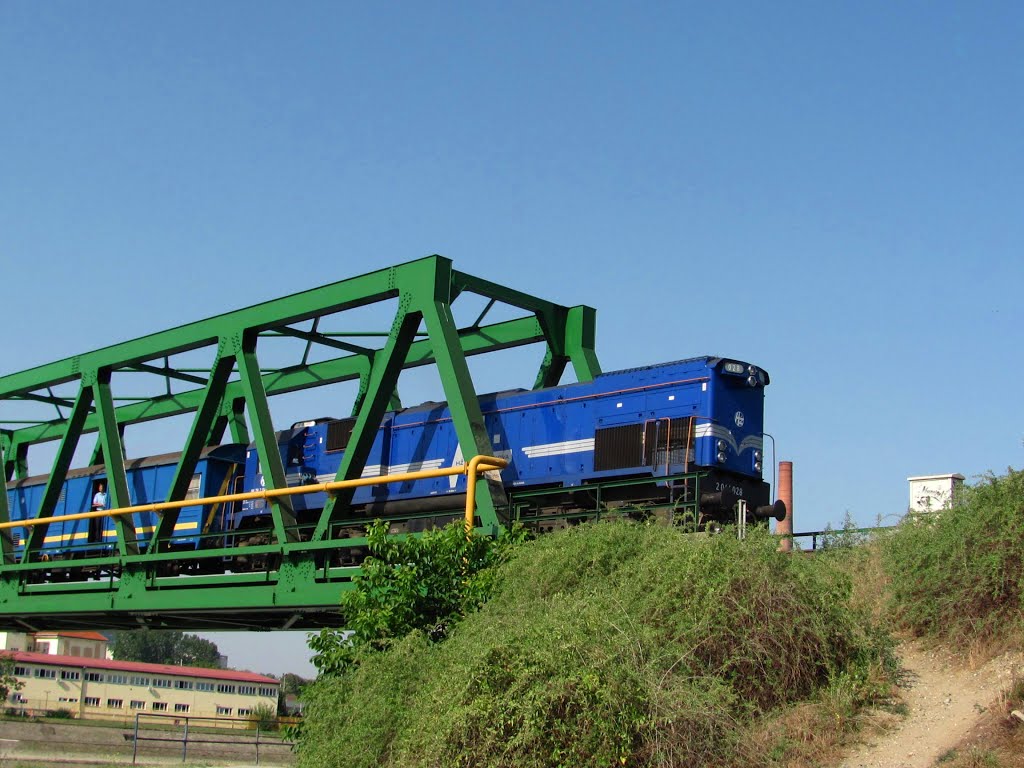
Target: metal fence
[
  {"x": 838, "y": 537},
  {"x": 205, "y": 734}
]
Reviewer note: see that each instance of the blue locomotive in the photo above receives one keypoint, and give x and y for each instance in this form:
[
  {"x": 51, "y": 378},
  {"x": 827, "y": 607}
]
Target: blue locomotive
[{"x": 637, "y": 435}]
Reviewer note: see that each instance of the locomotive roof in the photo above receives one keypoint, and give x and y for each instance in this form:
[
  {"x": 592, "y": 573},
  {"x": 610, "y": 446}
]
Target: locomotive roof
[
  {"x": 709, "y": 360},
  {"x": 706, "y": 360}
]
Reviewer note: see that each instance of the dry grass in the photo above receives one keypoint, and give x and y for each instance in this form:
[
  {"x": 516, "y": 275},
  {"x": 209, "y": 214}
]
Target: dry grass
[
  {"x": 820, "y": 732},
  {"x": 998, "y": 740}
]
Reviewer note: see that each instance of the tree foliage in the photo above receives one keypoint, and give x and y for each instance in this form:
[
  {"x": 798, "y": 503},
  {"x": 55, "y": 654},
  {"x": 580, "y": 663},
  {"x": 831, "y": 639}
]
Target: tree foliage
[
  {"x": 8, "y": 682},
  {"x": 413, "y": 583},
  {"x": 290, "y": 685},
  {"x": 165, "y": 647}
]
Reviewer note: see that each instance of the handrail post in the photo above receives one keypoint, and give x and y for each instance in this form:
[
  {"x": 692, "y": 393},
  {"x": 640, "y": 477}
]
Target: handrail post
[
  {"x": 184, "y": 742},
  {"x": 135, "y": 740}
]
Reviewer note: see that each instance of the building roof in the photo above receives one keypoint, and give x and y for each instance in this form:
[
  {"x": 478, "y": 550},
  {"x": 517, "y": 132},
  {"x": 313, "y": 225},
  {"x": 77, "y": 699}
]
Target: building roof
[
  {"x": 78, "y": 635},
  {"x": 139, "y": 666}
]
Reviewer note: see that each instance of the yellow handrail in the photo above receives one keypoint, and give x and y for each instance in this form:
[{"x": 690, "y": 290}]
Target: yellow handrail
[{"x": 471, "y": 469}]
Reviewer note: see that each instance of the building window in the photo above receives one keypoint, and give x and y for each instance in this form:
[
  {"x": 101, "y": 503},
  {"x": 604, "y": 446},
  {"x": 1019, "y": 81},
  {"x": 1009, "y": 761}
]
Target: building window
[
  {"x": 268, "y": 692},
  {"x": 21, "y": 671},
  {"x": 70, "y": 674},
  {"x": 244, "y": 712},
  {"x": 94, "y": 677},
  {"x": 200, "y": 686},
  {"x": 159, "y": 682},
  {"x": 117, "y": 679},
  {"x": 67, "y": 700},
  {"x": 17, "y": 698},
  {"x": 46, "y": 674},
  {"x": 92, "y": 701},
  {"x": 140, "y": 680},
  {"x": 224, "y": 711},
  {"x": 159, "y": 706},
  {"x": 181, "y": 707},
  {"x": 137, "y": 704},
  {"x": 247, "y": 690},
  {"x": 225, "y": 688},
  {"x": 183, "y": 685},
  {"x": 115, "y": 703}
]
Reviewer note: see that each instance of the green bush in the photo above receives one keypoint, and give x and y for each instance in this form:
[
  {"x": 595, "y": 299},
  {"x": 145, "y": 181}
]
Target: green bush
[
  {"x": 846, "y": 537},
  {"x": 263, "y": 717},
  {"x": 609, "y": 644},
  {"x": 426, "y": 583},
  {"x": 958, "y": 574}
]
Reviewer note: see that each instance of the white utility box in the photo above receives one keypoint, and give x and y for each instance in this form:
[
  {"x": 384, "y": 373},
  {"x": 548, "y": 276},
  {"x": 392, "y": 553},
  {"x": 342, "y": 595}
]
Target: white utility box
[{"x": 930, "y": 493}]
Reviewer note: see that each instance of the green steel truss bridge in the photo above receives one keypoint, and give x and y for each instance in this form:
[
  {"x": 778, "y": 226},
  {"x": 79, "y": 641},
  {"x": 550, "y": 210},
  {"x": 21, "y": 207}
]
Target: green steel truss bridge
[{"x": 298, "y": 581}]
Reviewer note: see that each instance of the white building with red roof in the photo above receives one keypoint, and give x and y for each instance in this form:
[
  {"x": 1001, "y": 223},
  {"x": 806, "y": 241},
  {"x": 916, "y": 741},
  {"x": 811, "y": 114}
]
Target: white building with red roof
[
  {"x": 91, "y": 645},
  {"x": 118, "y": 690}
]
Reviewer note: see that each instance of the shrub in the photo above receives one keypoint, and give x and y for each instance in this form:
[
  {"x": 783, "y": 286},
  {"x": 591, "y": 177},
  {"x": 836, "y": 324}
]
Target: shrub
[
  {"x": 959, "y": 574},
  {"x": 609, "y": 644},
  {"x": 847, "y": 537},
  {"x": 263, "y": 717},
  {"x": 423, "y": 583}
]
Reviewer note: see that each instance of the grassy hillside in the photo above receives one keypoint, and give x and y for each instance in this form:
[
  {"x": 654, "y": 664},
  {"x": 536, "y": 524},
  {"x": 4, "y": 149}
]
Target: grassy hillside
[
  {"x": 957, "y": 578},
  {"x": 617, "y": 644},
  {"x": 958, "y": 575}
]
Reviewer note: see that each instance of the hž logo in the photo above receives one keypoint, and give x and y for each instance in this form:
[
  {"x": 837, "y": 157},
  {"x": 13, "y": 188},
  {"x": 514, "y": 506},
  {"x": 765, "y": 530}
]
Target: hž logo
[
  {"x": 458, "y": 460},
  {"x": 739, "y": 419}
]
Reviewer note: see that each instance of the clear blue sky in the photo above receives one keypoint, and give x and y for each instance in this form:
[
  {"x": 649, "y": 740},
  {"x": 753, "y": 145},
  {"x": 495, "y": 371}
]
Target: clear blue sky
[{"x": 832, "y": 191}]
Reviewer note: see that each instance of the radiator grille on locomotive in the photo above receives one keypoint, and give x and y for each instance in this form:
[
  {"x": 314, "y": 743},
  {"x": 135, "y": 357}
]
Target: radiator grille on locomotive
[
  {"x": 338, "y": 434},
  {"x": 644, "y": 445},
  {"x": 618, "y": 447}
]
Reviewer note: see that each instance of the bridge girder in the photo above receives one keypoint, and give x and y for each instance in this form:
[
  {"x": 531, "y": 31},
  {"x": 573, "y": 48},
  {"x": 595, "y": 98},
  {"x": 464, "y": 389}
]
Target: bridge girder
[{"x": 235, "y": 387}]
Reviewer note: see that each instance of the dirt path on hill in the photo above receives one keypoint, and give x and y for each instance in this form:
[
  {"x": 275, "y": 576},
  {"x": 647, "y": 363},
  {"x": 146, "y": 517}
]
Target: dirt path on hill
[{"x": 945, "y": 699}]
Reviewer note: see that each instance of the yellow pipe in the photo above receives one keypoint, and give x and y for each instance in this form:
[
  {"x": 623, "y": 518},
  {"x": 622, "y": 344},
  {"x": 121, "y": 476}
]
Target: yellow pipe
[
  {"x": 472, "y": 470},
  {"x": 476, "y": 464}
]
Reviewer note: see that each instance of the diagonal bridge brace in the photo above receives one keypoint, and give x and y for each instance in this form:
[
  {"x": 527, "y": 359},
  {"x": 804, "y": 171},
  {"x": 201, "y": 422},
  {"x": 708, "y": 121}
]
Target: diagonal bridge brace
[{"x": 235, "y": 386}]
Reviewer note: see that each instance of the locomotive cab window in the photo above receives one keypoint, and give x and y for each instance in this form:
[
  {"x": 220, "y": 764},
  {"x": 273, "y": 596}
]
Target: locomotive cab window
[
  {"x": 193, "y": 487},
  {"x": 94, "y": 531}
]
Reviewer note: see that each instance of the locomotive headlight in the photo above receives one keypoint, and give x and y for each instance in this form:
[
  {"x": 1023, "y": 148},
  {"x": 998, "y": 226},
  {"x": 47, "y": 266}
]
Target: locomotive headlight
[
  {"x": 721, "y": 457},
  {"x": 757, "y": 456},
  {"x": 752, "y": 370},
  {"x": 752, "y": 381},
  {"x": 720, "y": 446},
  {"x": 757, "y": 466}
]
